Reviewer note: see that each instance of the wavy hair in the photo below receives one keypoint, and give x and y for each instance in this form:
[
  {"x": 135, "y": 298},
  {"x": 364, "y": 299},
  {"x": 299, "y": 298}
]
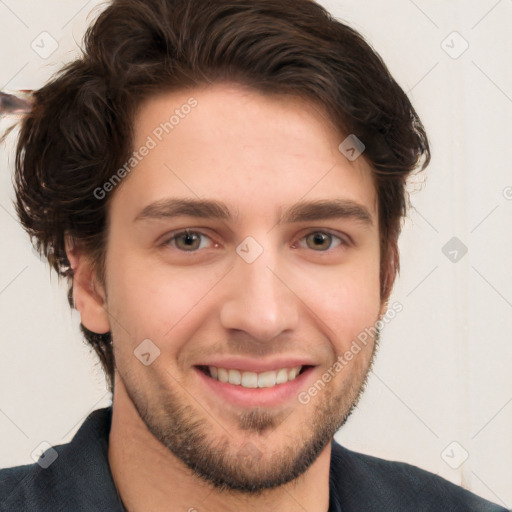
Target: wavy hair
[{"x": 81, "y": 126}]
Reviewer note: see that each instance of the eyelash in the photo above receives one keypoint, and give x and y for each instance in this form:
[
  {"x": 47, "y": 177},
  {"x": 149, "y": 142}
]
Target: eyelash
[{"x": 177, "y": 234}]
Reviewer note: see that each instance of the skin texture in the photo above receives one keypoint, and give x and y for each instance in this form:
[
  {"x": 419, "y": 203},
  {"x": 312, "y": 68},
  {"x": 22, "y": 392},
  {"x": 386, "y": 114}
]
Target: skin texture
[{"x": 175, "y": 444}]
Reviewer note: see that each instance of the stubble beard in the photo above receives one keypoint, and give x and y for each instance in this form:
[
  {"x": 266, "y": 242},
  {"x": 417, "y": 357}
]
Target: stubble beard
[{"x": 245, "y": 469}]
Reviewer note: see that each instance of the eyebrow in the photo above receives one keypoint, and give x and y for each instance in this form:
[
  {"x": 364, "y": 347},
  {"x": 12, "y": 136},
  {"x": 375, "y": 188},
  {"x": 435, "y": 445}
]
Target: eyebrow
[{"x": 299, "y": 212}]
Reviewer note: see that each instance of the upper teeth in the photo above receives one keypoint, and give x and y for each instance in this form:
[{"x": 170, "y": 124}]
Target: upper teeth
[{"x": 253, "y": 379}]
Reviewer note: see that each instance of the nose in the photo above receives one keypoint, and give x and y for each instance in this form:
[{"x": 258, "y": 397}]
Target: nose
[{"x": 260, "y": 301}]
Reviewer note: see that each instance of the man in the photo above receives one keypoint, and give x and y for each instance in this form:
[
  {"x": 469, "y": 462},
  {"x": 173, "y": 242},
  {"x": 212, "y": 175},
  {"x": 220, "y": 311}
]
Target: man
[{"x": 272, "y": 141}]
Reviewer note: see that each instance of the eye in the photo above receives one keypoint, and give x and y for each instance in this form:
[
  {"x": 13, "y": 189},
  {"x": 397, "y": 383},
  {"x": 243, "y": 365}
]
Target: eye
[
  {"x": 187, "y": 241},
  {"x": 322, "y": 241},
  {"x": 192, "y": 241}
]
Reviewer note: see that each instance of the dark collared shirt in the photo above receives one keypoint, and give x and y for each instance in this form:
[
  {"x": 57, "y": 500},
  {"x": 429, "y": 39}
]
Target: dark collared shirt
[{"x": 79, "y": 480}]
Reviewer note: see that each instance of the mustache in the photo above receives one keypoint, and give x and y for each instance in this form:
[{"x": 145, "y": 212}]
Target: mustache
[{"x": 244, "y": 347}]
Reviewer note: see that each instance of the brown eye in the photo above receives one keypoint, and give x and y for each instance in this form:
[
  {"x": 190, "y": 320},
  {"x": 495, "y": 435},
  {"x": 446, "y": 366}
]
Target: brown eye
[
  {"x": 320, "y": 241},
  {"x": 190, "y": 241},
  {"x": 187, "y": 241}
]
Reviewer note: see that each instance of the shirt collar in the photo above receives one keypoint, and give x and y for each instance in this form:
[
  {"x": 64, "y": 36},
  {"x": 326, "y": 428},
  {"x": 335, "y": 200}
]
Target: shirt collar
[{"x": 91, "y": 465}]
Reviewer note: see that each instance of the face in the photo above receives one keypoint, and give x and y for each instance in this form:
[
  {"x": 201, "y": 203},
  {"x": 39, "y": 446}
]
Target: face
[{"x": 245, "y": 247}]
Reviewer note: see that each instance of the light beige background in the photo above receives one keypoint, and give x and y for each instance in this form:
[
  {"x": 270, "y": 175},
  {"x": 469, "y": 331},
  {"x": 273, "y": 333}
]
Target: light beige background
[{"x": 443, "y": 373}]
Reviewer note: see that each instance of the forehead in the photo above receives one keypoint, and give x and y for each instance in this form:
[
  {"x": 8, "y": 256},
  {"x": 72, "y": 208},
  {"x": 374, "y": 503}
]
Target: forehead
[{"x": 232, "y": 143}]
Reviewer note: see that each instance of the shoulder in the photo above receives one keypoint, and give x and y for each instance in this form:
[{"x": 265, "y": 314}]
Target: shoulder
[
  {"x": 74, "y": 476},
  {"x": 378, "y": 484},
  {"x": 24, "y": 487}
]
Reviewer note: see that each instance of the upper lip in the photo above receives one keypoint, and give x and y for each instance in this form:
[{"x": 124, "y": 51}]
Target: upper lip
[{"x": 255, "y": 365}]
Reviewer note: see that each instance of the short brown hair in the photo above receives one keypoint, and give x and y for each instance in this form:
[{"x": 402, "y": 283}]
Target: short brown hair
[{"x": 81, "y": 127}]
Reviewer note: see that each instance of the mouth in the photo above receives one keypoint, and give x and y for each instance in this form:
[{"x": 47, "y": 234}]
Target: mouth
[{"x": 253, "y": 380}]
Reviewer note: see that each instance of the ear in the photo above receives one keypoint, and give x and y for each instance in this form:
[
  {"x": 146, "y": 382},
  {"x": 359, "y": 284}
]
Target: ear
[{"x": 88, "y": 294}]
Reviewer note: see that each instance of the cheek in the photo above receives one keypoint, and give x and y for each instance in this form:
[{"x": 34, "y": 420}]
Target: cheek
[
  {"x": 154, "y": 301},
  {"x": 345, "y": 302}
]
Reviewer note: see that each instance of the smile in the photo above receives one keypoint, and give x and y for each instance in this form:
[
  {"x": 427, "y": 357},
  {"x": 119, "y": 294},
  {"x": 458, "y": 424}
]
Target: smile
[
  {"x": 249, "y": 379},
  {"x": 272, "y": 385}
]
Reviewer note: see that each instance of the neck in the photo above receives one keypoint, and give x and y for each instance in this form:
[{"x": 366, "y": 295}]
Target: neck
[{"x": 149, "y": 477}]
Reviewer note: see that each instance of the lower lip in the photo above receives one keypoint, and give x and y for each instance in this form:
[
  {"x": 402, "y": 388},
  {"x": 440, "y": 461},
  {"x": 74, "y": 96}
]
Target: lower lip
[{"x": 247, "y": 397}]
